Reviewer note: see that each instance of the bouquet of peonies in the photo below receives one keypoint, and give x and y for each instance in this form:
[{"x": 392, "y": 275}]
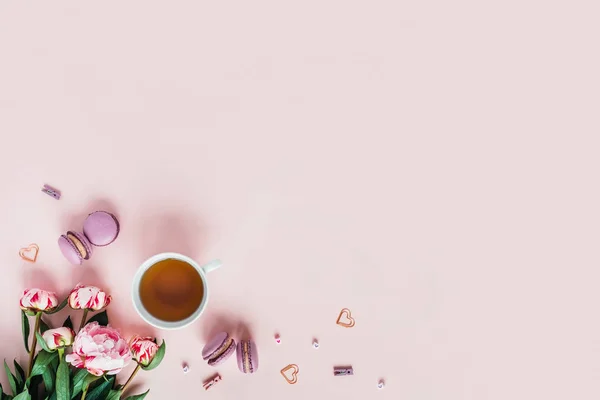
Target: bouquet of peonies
[{"x": 96, "y": 353}]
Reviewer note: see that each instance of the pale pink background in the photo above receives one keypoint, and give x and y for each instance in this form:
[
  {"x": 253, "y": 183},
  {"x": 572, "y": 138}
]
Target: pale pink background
[{"x": 432, "y": 165}]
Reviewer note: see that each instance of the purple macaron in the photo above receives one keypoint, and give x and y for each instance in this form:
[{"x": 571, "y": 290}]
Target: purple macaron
[
  {"x": 247, "y": 356},
  {"x": 101, "y": 228},
  {"x": 75, "y": 247},
  {"x": 219, "y": 349}
]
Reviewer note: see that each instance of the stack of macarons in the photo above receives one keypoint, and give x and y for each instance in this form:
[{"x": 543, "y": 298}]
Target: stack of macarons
[
  {"x": 100, "y": 228},
  {"x": 222, "y": 346}
]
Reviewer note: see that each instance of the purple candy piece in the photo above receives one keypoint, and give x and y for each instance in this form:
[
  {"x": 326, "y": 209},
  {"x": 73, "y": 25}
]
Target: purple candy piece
[
  {"x": 219, "y": 349},
  {"x": 101, "y": 228},
  {"x": 247, "y": 356},
  {"x": 69, "y": 250}
]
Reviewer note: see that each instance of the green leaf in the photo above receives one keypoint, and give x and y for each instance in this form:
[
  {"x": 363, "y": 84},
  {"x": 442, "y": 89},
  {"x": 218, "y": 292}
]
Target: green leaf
[
  {"x": 101, "y": 391},
  {"x": 62, "y": 381},
  {"x": 158, "y": 357},
  {"x": 101, "y": 318},
  {"x": 68, "y": 323},
  {"x": 20, "y": 375},
  {"x": 54, "y": 363},
  {"x": 25, "y": 328},
  {"x": 77, "y": 382},
  {"x": 11, "y": 379},
  {"x": 43, "y": 326},
  {"x": 113, "y": 395},
  {"x": 88, "y": 380},
  {"x": 23, "y": 396},
  {"x": 60, "y": 307},
  {"x": 138, "y": 396},
  {"x": 48, "y": 376},
  {"x": 42, "y": 360},
  {"x": 42, "y": 343}
]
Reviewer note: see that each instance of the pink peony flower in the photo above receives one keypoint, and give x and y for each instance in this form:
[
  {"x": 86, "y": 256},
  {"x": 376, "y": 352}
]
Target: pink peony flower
[
  {"x": 99, "y": 349},
  {"x": 143, "y": 349},
  {"x": 35, "y": 300},
  {"x": 59, "y": 337},
  {"x": 88, "y": 297}
]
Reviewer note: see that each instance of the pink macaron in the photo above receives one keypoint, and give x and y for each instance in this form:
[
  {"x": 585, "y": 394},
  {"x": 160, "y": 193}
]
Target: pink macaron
[
  {"x": 101, "y": 228},
  {"x": 218, "y": 349},
  {"x": 247, "y": 356},
  {"x": 75, "y": 247}
]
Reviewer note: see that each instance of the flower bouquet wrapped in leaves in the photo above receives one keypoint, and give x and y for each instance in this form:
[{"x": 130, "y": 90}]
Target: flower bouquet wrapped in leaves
[{"x": 76, "y": 366}]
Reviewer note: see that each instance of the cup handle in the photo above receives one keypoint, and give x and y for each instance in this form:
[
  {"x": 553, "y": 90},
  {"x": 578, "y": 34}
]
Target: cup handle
[{"x": 211, "y": 266}]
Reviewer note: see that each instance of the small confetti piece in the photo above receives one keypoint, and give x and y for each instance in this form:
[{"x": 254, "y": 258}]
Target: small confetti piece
[
  {"x": 277, "y": 339},
  {"x": 315, "y": 343},
  {"x": 186, "y": 368},
  {"x": 380, "y": 384}
]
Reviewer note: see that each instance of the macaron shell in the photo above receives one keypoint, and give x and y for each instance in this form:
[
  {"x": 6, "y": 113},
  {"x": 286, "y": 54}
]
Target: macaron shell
[
  {"x": 101, "y": 228},
  {"x": 226, "y": 354},
  {"x": 247, "y": 356},
  {"x": 69, "y": 250},
  {"x": 84, "y": 242},
  {"x": 214, "y": 344}
]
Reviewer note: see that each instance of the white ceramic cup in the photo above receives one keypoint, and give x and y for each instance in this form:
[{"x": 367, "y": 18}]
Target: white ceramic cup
[{"x": 137, "y": 301}]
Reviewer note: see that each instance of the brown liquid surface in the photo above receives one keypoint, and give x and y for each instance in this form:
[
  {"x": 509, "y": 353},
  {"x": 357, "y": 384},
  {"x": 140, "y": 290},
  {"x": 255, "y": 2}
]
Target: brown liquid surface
[{"x": 171, "y": 290}]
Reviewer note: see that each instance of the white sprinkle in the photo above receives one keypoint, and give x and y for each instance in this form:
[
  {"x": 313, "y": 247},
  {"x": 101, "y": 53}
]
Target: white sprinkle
[
  {"x": 186, "y": 368},
  {"x": 381, "y": 384},
  {"x": 315, "y": 344}
]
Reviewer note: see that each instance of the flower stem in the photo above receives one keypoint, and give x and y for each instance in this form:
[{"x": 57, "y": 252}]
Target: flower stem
[
  {"x": 135, "y": 371},
  {"x": 38, "y": 316},
  {"x": 85, "y": 312},
  {"x": 84, "y": 394}
]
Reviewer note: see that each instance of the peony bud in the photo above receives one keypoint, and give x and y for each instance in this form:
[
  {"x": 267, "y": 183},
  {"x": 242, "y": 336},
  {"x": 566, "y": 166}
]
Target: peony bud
[
  {"x": 88, "y": 297},
  {"x": 143, "y": 349},
  {"x": 36, "y": 300},
  {"x": 59, "y": 337}
]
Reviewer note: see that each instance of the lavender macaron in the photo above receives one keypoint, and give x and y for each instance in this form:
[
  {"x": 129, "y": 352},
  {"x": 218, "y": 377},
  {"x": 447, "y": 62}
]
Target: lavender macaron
[
  {"x": 247, "y": 356},
  {"x": 101, "y": 228},
  {"x": 218, "y": 349},
  {"x": 75, "y": 247}
]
